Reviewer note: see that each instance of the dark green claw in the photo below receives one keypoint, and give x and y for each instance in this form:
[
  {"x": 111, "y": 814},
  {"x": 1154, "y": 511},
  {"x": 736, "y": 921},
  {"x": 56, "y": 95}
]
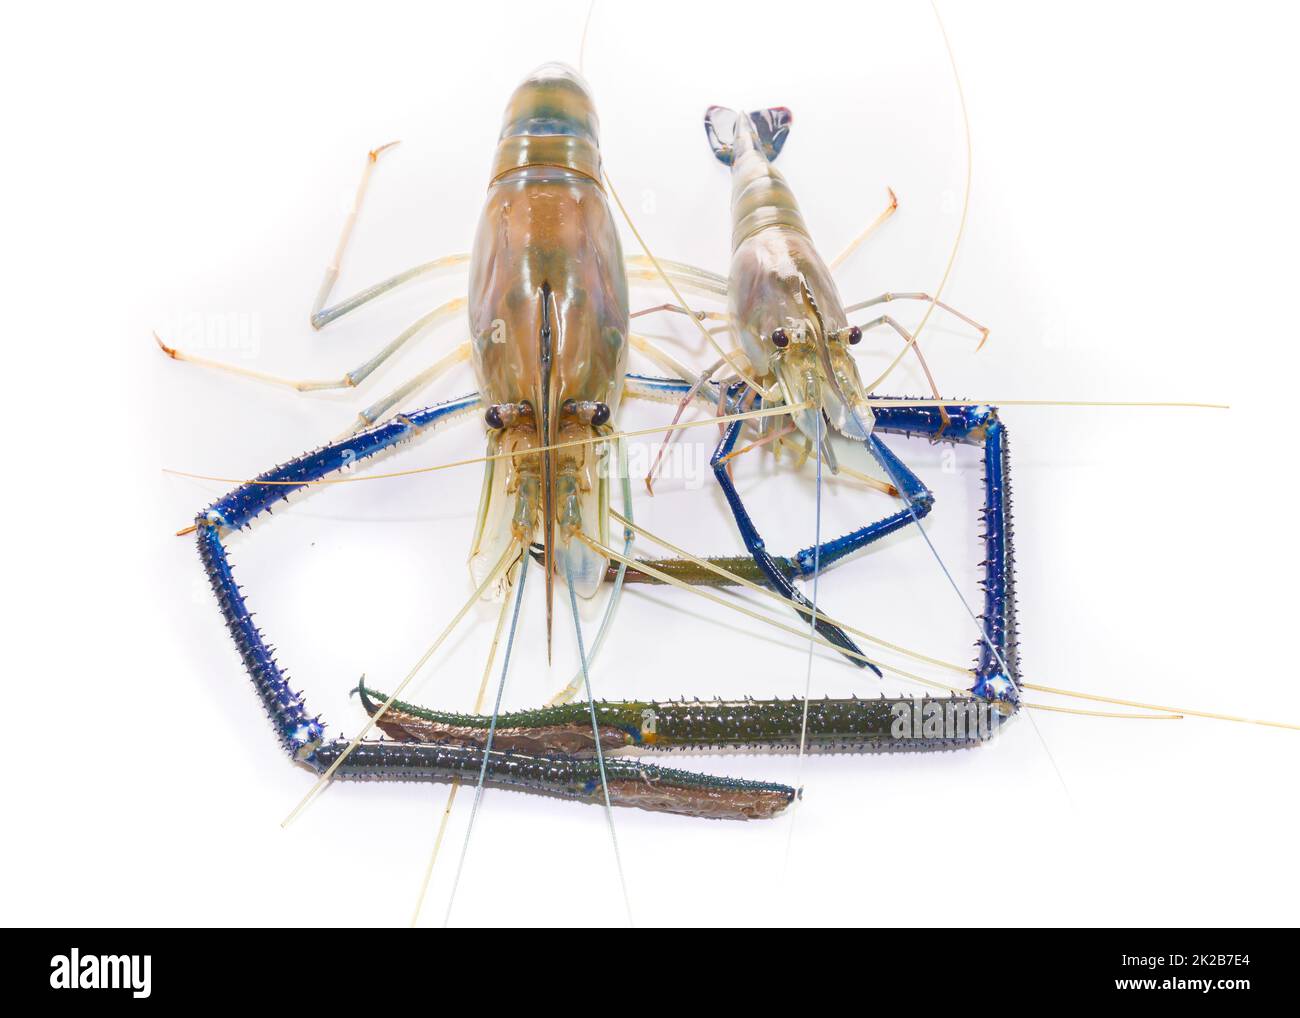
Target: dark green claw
[
  {"x": 630, "y": 783},
  {"x": 840, "y": 725}
]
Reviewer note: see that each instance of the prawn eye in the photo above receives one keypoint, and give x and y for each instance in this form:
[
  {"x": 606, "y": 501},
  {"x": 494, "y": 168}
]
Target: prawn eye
[
  {"x": 780, "y": 338},
  {"x": 589, "y": 411},
  {"x": 855, "y": 335},
  {"x": 504, "y": 415}
]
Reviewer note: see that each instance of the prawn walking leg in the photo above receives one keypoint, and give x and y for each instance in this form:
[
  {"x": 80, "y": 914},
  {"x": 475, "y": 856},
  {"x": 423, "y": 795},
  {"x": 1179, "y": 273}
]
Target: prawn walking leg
[
  {"x": 349, "y": 379},
  {"x": 332, "y": 269}
]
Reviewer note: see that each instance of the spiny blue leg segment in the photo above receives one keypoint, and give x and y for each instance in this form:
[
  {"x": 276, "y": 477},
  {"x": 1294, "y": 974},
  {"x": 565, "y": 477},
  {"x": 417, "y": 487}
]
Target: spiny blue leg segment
[
  {"x": 777, "y": 576},
  {"x": 299, "y": 732},
  {"x": 919, "y": 499},
  {"x": 997, "y": 670},
  {"x": 257, "y": 496}
]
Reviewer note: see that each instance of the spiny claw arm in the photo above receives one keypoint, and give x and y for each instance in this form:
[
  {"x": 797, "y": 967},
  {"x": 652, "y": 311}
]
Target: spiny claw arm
[
  {"x": 833, "y": 725},
  {"x": 303, "y": 735}
]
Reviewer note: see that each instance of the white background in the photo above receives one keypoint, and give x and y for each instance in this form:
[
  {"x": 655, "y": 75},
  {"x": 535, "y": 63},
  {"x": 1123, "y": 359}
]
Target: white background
[{"x": 1131, "y": 237}]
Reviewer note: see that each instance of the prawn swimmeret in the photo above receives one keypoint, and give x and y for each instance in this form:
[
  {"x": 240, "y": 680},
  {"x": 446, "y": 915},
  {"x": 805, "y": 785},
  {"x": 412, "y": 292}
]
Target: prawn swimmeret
[{"x": 549, "y": 342}]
